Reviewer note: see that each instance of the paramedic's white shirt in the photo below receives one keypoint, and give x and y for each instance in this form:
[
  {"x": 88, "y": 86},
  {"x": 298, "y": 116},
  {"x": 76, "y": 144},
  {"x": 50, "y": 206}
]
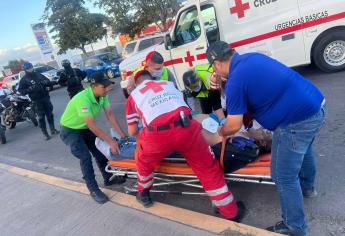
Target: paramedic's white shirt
[{"x": 155, "y": 98}]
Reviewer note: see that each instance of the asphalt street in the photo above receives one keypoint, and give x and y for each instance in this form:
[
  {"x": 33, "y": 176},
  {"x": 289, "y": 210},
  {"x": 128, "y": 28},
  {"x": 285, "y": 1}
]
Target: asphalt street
[{"x": 26, "y": 148}]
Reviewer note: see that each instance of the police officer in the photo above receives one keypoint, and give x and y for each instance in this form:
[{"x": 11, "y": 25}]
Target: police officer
[
  {"x": 37, "y": 87},
  {"x": 168, "y": 127},
  {"x": 201, "y": 83},
  {"x": 282, "y": 101},
  {"x": 79, "y": 131},
  {"x": 71, "y": 77}
]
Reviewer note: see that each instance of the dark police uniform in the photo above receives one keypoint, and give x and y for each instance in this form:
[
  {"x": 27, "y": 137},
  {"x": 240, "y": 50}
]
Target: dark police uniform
[
  {"x": 36, "y": 86},
  {"x": 72, "y": 78}
]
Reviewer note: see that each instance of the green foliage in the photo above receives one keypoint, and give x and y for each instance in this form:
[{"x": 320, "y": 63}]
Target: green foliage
[
  {"x": 74, "y": 26},
  {"x": 15, "y": 65},
  {"x": 132, "y": 16}
]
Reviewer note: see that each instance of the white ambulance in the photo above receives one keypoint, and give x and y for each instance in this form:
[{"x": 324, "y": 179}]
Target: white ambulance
[{"x": 295, "y": 32}]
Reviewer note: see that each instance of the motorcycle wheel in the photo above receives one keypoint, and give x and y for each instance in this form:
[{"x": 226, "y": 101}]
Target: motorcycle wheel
[
  {"x": 9, "y": 124},
  {"x": 32, "y": 118}
]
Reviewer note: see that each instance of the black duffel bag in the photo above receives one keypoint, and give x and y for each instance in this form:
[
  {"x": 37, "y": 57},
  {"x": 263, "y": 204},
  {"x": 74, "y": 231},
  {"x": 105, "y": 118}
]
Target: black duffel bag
[{"x": 237, "y": 154}]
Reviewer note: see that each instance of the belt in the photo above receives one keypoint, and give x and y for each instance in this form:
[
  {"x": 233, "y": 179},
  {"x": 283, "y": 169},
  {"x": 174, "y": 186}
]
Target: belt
[{"x": 167, "y": 126}]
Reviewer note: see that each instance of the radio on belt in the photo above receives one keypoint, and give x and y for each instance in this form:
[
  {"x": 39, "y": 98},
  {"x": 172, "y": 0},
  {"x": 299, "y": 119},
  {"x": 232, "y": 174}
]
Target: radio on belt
[{"x": 184, "y": 119}]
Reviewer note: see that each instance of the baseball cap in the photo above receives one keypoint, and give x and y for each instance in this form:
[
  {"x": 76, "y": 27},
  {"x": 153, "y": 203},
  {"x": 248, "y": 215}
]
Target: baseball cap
[
  {"x": 99, "y": 78},
  {"x": 217, "y": 51}
]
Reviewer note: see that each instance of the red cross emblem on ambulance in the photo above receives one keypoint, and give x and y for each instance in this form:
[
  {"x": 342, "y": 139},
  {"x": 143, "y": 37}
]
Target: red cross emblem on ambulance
[{"x": 239, "y": 8}]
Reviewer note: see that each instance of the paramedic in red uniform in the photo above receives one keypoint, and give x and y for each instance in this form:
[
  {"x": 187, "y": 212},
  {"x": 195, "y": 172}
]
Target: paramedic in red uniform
[{"x": 168, "y": 127}]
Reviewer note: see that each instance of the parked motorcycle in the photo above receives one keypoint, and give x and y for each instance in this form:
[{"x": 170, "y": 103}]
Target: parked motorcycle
[{"x": 20, "y": 109}]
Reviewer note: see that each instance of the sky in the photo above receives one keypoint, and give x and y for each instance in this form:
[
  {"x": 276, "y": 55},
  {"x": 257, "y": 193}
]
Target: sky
[{"x": 17, "y": 40}]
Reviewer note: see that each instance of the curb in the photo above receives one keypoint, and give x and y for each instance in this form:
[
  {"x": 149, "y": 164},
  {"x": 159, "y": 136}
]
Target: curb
[{"x": 187, "y": 217}]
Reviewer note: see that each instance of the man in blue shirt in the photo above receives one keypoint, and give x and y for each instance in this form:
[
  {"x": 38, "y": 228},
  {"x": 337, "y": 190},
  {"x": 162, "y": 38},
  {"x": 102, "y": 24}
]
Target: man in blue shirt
[{"x": 283, "y": 101}]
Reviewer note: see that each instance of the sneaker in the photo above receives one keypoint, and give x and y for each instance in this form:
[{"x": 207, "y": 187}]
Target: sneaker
[
  {"x": 144, "y": 198},
  {"x": 241, "y": 212},
  {"x": 280, "y": 228},
  {"x": 46, "y": 136},
  {"x": 99, "y": 196},
  {"x": 309, "y": 193},
  {"x": 115, "y": 180}
]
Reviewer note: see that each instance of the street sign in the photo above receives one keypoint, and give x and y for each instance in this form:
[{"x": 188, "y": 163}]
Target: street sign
[{"x": 42, "y": 38}]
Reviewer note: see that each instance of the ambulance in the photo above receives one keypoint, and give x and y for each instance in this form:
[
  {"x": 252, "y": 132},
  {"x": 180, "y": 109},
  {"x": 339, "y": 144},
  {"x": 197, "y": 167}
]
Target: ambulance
[{"x": 295, "y": 32}]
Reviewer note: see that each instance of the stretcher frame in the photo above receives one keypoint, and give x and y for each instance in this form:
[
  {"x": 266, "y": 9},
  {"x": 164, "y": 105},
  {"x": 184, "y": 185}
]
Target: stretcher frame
[{"x": 175, "y": 171}]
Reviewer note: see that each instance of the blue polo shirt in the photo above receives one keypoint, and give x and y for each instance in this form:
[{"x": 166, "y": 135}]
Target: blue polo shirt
[{"x": 271, "y": 92}]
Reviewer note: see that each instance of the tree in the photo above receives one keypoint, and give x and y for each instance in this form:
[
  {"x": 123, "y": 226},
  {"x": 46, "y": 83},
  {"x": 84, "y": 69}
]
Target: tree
[
  {"x": 15, "y": 65},
  {"x": 74, "y": 26},
  {"x": 132, "y": 16}
]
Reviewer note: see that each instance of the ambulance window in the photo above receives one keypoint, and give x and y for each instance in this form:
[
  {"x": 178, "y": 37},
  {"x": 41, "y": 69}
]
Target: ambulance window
[
  {"x": 209, "y": 18},
  {"x": 129, "y": 48},
  {"x": 146, "y": 43},
  {"x": 188, "y": 27}
]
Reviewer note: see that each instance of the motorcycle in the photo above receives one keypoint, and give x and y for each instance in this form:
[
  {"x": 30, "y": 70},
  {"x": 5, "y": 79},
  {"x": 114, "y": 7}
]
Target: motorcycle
[{"x": 20, "y": 109}]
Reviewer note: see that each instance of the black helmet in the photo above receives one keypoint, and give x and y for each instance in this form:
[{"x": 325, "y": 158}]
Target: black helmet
[
  {"x": 65, "y": 63},
  {"x": 190, "y": 80}
]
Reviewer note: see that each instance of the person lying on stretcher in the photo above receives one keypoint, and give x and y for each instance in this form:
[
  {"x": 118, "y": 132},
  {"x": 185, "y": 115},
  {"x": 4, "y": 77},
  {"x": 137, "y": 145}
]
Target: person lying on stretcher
[{"x": 237, "y": 154}]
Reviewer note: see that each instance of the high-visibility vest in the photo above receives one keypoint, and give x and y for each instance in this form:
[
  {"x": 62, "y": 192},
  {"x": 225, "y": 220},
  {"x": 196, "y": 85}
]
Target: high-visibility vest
[
  {"x": 165, "y": 74},
  {"x": 205, "y": 73}
]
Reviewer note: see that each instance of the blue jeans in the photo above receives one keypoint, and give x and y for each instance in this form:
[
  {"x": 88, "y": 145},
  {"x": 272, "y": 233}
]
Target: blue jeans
[
  {"x": 82, "y": 145},
  {"x": 293, "y": 167}
]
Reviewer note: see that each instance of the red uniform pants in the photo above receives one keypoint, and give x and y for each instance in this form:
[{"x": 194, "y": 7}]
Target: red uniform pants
[{"x": 155, "y": 145}]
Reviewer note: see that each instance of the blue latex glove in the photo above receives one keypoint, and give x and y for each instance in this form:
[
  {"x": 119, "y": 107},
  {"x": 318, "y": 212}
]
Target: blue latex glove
[
  {"x": 213, "y": 116},
  {"x": 222, "y": 122}
]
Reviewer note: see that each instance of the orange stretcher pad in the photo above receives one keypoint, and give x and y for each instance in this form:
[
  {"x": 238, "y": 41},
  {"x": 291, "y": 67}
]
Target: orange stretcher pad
[{"x": 260, "y": 167}]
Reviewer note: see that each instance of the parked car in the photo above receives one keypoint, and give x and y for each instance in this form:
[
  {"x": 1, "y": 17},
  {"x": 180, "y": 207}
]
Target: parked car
[
  {"x": 106, "y": 62},
  {"x": 141, "y": 44},
  {"x": 11, "y": 81}
]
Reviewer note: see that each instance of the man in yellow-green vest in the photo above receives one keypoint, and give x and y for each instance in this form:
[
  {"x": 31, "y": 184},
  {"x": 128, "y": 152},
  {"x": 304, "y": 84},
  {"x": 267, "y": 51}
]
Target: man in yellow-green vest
[
  {"x": 154, "y": 63},
  {"x": 201, "y": 83}
]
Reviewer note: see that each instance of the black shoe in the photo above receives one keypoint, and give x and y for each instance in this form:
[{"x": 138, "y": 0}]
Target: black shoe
[
  {"x": 144, "y": 198},
  {"x": 99, "y": 196},
  {"x": 241, "y": 212},
  {"x": 115, "y": 180},
  {"x": 280, "y": 228},
  {"x": 309, "y": 193},
  {"x": 54, "y": 131},
  {"x": 46, "y": 135}
]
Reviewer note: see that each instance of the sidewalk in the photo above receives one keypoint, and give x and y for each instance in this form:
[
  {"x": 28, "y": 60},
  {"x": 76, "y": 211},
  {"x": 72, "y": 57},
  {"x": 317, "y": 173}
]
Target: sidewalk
[
  {"x": 29, "y": 207},
  {"x": 37, "y": 204}
]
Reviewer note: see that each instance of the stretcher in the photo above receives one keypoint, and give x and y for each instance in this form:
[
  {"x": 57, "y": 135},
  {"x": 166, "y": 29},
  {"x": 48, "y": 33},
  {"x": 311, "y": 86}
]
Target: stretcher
[{"x": 175, "y": 171}]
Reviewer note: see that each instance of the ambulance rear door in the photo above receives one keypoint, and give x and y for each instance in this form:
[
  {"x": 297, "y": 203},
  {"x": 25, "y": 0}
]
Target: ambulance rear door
[{"x": 189, "y": 42}]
